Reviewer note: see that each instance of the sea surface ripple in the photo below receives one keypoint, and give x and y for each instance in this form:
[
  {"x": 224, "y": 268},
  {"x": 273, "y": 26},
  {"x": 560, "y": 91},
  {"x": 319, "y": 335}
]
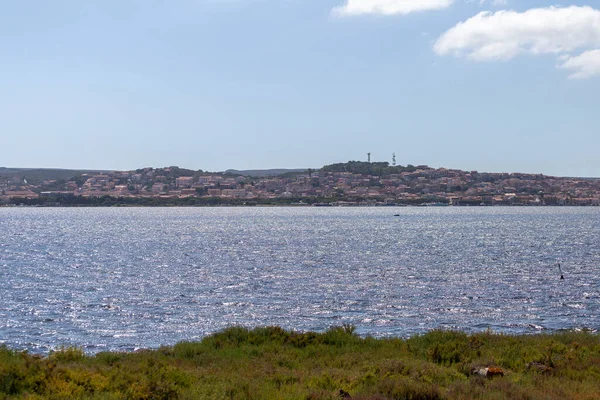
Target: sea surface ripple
[{"x": 130, "y": 278}]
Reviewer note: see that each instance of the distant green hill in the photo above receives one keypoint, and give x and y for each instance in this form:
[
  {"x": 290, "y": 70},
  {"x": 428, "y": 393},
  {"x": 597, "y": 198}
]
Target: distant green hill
[
  {"x": 265, "y": 172},
  {"x": 368, "y": 168},
  {"x": 36, "y": 175}
]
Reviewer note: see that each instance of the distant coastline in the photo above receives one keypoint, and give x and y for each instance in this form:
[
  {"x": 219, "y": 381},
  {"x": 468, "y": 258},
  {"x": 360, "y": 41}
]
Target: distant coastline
[
  {"x": 216, "y": 202},
  {"x": 353, "y": 183}
]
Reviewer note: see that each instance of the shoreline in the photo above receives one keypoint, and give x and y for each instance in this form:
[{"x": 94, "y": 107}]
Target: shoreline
[
  {"x": 91, "y": 350},
  {"x": 291, "y": 205}
]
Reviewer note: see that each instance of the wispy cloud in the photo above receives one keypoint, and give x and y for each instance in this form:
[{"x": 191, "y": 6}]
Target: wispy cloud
[
  {"x": 504, "y": 35},
  {"x": 585, "y": 65},
  {"x": 389, "y": 7},
  {"x": 494, "y": 3}
]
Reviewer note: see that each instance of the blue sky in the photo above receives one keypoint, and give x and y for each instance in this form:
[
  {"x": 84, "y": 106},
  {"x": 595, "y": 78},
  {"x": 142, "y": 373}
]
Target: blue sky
[{"x": 499, "y": 86}]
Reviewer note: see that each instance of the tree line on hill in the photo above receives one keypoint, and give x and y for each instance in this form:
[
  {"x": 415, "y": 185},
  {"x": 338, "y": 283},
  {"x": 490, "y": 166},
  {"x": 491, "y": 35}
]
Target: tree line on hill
[{"x": 368, "y": 168}]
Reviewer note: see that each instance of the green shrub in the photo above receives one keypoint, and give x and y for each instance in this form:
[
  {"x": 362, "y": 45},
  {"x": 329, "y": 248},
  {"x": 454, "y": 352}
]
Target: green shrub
[
  {"x": 67, "y": 354},
  {"x": 272, "y": 363}
]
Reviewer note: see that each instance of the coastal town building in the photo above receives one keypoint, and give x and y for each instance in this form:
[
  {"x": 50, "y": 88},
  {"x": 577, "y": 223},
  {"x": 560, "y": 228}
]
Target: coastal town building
[{"x": 414, "y": 186}]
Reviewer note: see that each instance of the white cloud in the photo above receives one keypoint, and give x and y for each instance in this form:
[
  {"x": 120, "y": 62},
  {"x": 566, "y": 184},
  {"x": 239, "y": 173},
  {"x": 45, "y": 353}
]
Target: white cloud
[
  {"x": 389, "y": 7},
  {"x": 505, "y": 34},
  {"x": 585, "y": 65},
  {"x": 494, "y": 3}
]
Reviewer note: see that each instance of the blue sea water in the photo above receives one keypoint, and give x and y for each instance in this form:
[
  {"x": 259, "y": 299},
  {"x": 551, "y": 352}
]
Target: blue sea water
[{"x": 129, "y": 278}]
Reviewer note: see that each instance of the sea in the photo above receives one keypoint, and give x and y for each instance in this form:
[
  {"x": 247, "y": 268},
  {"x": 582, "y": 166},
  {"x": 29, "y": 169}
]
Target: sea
[{"x": 123, "y": 279}]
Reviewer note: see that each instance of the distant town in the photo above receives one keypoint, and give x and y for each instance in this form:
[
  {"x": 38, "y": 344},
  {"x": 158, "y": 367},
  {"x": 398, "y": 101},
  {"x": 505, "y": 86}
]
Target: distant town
[{"x": 345, "y": 184}]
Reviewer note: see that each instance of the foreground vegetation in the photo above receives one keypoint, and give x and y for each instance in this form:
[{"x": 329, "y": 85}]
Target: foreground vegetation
[{"x": 270, "y": 363}]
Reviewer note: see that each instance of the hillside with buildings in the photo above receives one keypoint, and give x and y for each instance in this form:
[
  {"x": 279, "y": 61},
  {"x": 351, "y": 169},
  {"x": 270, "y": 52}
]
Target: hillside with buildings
[{"x": 352, "y": 183}]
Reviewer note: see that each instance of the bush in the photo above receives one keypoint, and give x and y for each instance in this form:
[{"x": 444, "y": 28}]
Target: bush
[
  {"x": 270, "y": 362},
  {"x": 67, "y": 354}
]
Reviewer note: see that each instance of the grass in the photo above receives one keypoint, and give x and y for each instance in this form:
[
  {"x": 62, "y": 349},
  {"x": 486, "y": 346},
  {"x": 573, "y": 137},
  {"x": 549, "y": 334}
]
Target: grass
[{"x": 271, "y": 363}]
